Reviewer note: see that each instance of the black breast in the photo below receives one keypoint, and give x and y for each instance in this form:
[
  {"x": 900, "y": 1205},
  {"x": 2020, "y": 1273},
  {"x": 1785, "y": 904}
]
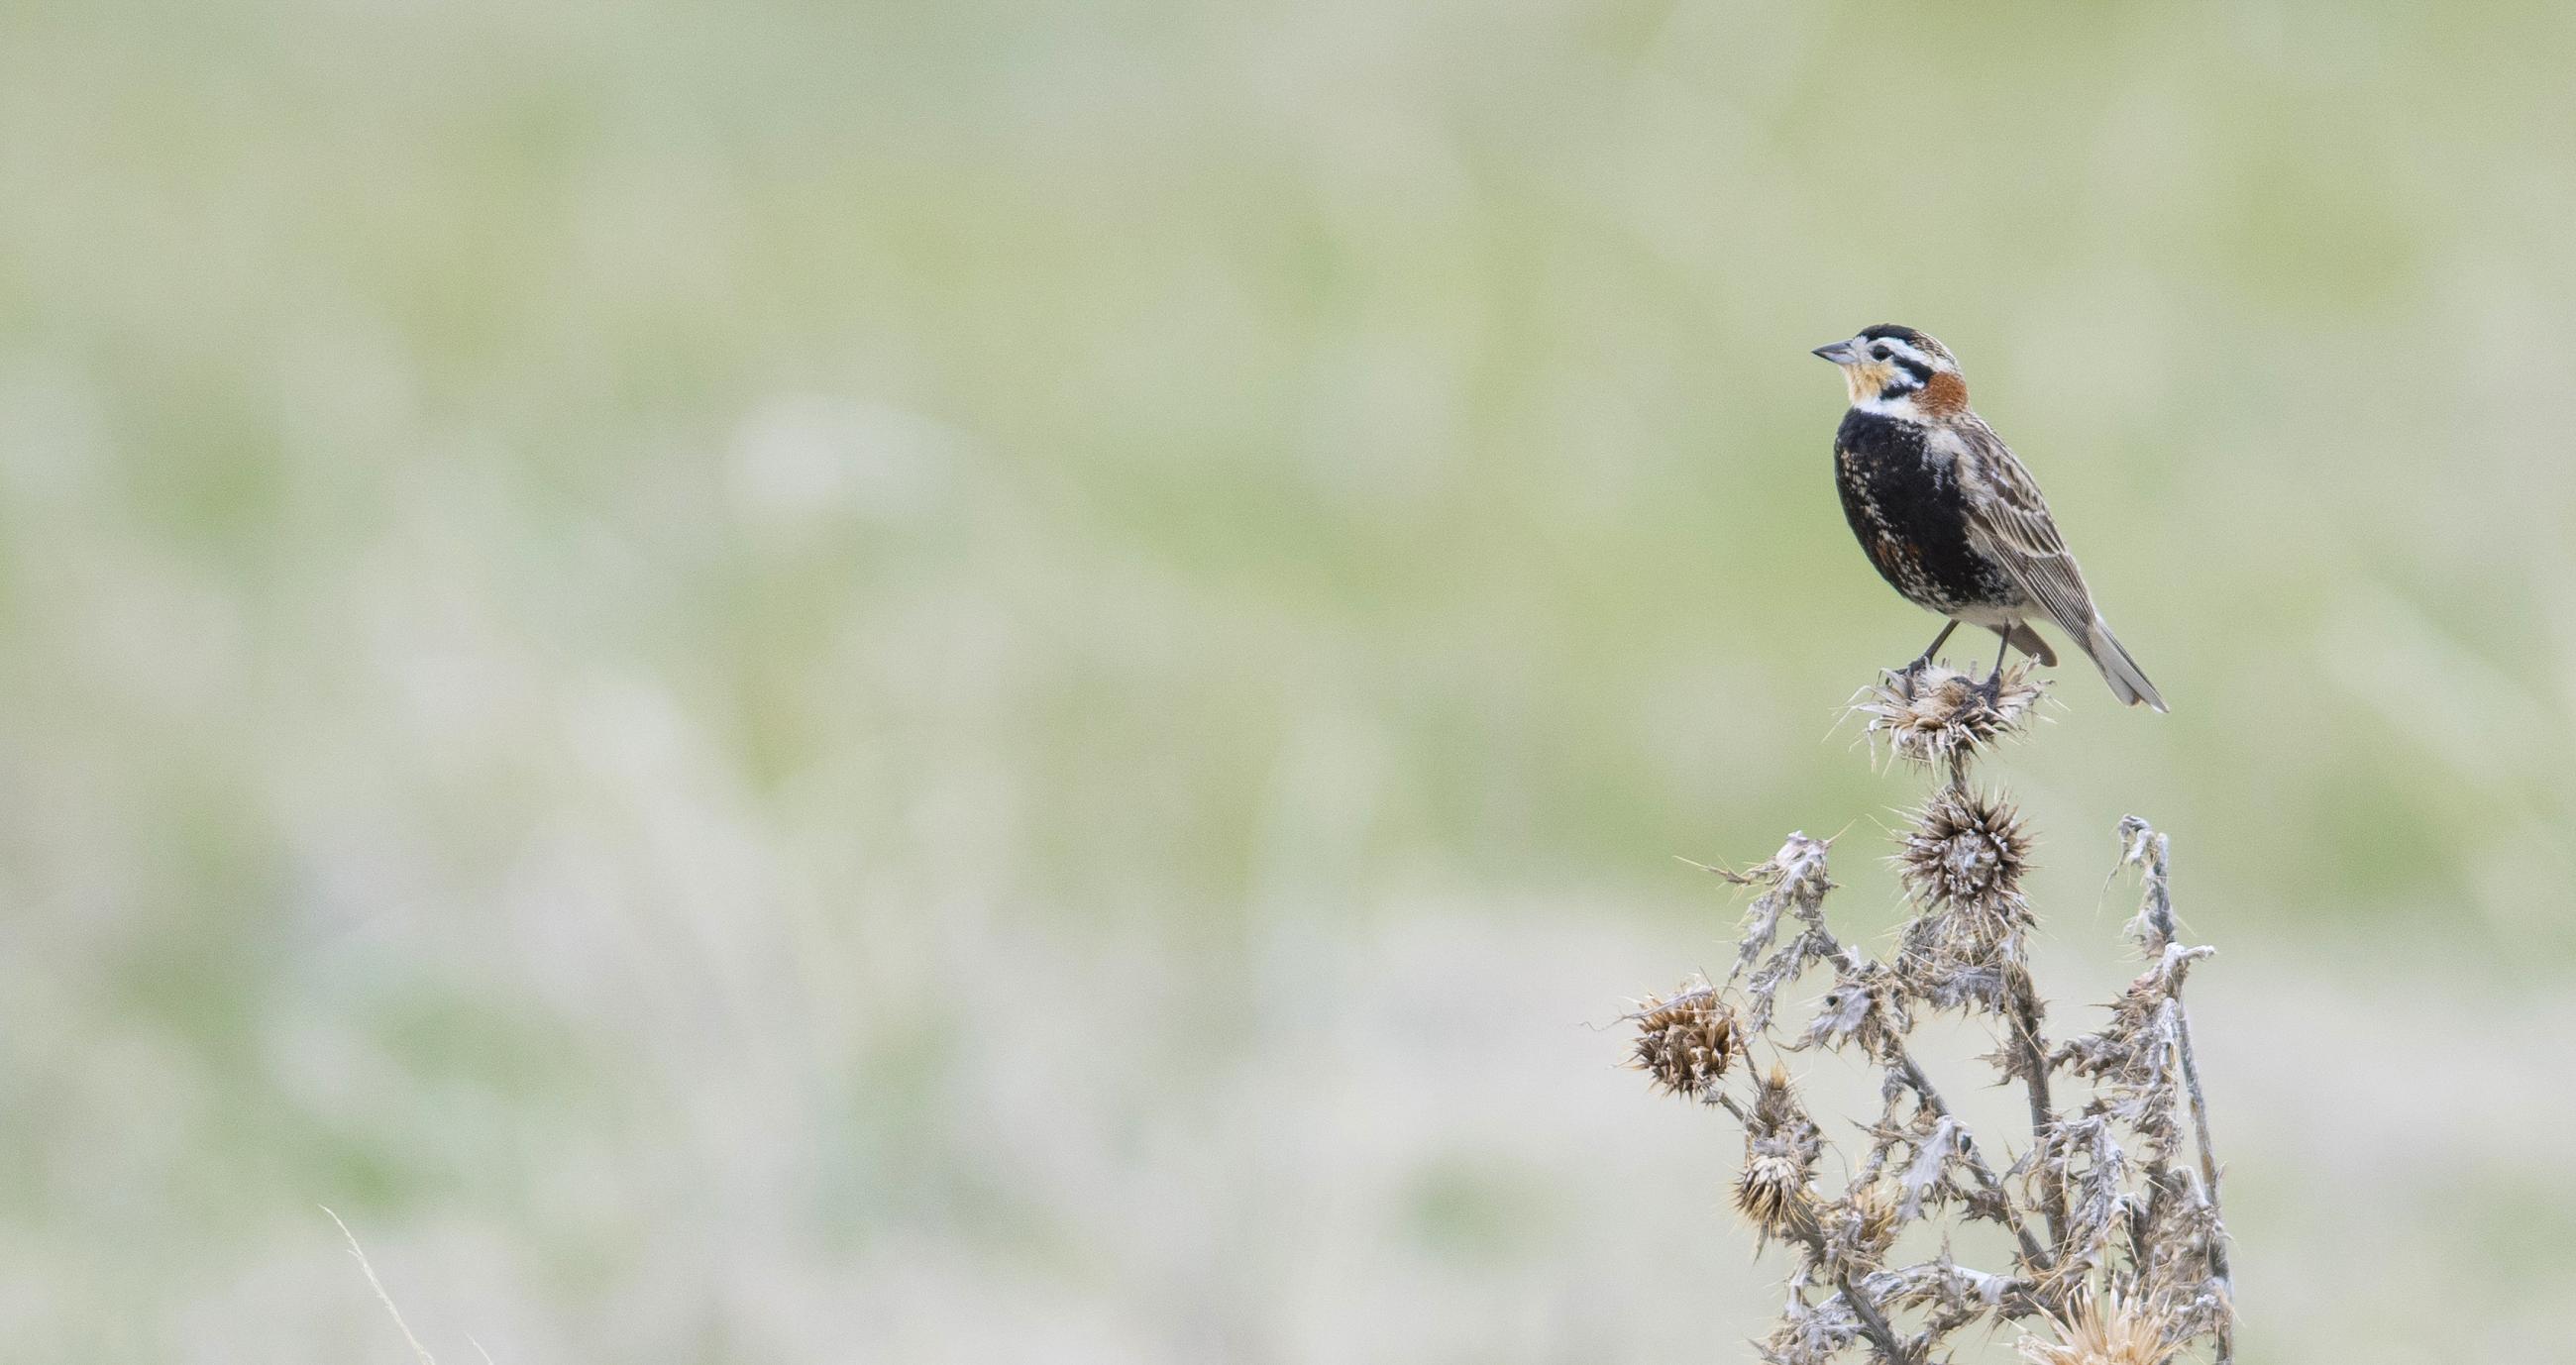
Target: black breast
[{"x": 1909, "y": 517}]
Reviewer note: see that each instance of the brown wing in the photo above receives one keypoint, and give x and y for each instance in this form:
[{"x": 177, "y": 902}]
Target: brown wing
[{"x": 2009, "y": 521}]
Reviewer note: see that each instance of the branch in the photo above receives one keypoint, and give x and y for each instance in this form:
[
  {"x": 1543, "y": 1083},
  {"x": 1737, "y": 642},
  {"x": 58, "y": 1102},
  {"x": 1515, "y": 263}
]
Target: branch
[
  {"x": 2022, "y": 997},
  {"x": 2035, "y": 1257},
  {"x": 2150, "y": 849},
  {"x": 1873, "y": 1324}
]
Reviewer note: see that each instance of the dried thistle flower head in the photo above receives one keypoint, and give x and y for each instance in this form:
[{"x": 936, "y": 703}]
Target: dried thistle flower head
[
  {"x": 1936, "y": 716},
  {"x": 1965, "y": 848},
  {"x": 1781, "y": 1145},
  {"x": 1775, "y": 1105},
  {"x": 2100, "y": 1330},
  {"x": 1685, "y": 1040},
  {"x": 1962, "y": 863},
  {"x": 1771, "y": 1190}
]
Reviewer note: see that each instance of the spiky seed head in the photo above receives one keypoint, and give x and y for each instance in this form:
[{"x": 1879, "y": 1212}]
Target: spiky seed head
[
  {"x": 1685, "y": 1041},
  {"x": 1938, "y": 716},
  {"x": 2100, "y": 1330},
  {"x": 1780, "y": 1149},
  {"x": 1965, "y": 849},
  {"x": 1774, "y": 1104},
  {"x": 1771, "y": 1191}
]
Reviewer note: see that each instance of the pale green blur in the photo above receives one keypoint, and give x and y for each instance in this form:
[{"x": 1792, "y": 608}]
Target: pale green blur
[{"x": 844, "y": 682}]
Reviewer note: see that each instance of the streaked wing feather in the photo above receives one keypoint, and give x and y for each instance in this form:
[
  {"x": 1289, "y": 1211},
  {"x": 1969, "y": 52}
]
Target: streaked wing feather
[{"x": 2012, "y": 524}]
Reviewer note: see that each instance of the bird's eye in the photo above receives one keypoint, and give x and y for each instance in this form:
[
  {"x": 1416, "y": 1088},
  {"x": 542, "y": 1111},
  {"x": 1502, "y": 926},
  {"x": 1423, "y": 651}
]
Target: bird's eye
[{"x": 1881, "y": 352}]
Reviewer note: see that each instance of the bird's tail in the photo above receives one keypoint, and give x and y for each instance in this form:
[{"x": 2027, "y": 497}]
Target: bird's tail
[
  {"x": 2128, "y": 681},
  {"x": 2032, "y": 643}
]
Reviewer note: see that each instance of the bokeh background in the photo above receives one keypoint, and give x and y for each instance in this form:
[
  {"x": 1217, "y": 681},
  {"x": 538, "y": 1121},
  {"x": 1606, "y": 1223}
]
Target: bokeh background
[{"x": 1018, "y": 681}]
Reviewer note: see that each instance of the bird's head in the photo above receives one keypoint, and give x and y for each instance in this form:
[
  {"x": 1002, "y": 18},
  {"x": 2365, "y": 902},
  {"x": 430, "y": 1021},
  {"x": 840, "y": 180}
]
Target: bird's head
[{"x": 1894, "y": 368}]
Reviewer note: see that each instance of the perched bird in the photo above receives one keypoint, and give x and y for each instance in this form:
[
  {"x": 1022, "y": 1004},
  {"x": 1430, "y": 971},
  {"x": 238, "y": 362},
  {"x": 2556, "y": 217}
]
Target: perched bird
[{"x": 1949, "y": 515}]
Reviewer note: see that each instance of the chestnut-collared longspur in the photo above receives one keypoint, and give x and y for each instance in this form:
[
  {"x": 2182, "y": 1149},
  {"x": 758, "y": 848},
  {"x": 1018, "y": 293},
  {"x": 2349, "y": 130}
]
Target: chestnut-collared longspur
[{"x": 1949, "y": 515}]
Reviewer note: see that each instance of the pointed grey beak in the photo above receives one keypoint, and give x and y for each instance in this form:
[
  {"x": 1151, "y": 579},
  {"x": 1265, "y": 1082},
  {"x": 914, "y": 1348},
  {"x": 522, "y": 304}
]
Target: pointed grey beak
[{"x": 1841, "y": 352}]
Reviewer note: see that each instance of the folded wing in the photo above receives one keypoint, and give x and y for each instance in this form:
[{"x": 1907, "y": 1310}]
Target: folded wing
[{"x": 2008, "y": 520}]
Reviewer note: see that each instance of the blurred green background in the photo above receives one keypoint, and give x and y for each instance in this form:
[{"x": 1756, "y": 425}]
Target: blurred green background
[{"x": 809, "y": 682}]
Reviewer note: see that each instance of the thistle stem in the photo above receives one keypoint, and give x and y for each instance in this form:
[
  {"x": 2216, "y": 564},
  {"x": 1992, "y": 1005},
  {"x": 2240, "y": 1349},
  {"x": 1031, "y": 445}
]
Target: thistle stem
[
  {"x": 1873, "y": 1324},
  {"x": 2023, "y": 997},
  {"x": 2035, "y": 1258},
  {"x": 2160, "y": 916}
]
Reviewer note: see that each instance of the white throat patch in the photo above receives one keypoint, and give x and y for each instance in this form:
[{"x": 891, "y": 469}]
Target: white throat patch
[{"x": 1901, "y": 406}]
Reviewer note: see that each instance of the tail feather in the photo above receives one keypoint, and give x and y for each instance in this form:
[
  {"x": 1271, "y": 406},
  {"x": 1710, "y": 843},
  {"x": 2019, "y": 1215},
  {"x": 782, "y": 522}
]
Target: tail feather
[
  {"x": 2128, "y": 681},
  {"x": 2032, "y": 643}
]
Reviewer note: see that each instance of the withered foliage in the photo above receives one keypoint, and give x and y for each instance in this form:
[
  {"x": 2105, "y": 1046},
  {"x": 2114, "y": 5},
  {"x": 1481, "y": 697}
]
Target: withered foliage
[{"x": 2109, "y": 1202}]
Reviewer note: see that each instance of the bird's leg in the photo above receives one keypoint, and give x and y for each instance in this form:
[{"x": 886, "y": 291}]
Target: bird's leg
[
  {"x": 1993, "y": 687},
  {"x": 1915, "y": 669}
]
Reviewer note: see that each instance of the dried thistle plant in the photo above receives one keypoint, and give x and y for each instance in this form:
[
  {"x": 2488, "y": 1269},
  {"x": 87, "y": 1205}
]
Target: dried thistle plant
[{"x": 2119, "y": 1256}]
